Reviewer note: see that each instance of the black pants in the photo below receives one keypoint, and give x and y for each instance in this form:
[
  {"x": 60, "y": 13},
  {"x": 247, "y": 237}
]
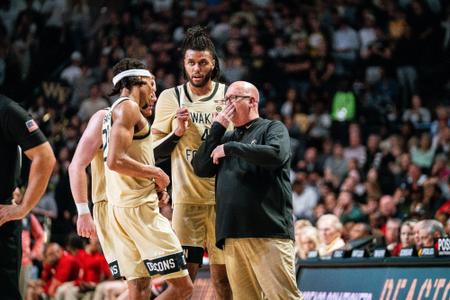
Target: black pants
[{"x": 10, "y": 259}]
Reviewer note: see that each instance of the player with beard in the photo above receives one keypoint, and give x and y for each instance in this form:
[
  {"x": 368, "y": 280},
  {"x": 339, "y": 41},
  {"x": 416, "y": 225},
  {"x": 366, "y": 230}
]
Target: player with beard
[
  {"x": 183, "y": 117},
  {"x": 142, "y": 236}
]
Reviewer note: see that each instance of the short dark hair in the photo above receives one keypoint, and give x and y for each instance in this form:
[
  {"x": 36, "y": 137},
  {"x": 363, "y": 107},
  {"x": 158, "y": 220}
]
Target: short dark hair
[
  {"x": 197, "y": 39},
  {"x": 127, "y": 82}
]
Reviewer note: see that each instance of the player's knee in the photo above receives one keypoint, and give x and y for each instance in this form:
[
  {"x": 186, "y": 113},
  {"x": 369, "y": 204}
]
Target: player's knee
[
  {"x": 219, "y": 277},
  {"x": 184, "y": 288}
]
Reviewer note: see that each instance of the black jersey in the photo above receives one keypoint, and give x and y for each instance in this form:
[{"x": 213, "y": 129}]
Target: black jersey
[{"x": 17, "y": 128}]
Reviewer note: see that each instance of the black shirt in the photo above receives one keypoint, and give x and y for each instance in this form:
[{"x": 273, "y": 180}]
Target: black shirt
[
  {"x": 17, "y": 128},
  {"x": 253, "y": 191}
]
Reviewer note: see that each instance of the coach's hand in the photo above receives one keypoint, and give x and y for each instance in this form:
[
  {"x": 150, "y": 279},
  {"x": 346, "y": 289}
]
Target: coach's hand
[
  {"x": 217, "y": 153},
  {"x": 225, "y": 116},
  {"x": 85, "y": 226}
]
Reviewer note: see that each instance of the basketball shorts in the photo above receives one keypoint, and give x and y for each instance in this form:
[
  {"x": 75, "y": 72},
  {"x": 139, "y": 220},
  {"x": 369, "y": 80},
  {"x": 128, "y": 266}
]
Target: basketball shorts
[
  {"x": 195, "y": 227},
  {"x": 142, "y": 234}
]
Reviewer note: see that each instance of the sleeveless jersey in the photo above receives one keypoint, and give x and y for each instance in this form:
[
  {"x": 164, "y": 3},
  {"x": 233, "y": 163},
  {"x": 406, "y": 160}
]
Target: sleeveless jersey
[
  {"x": 98, "y": 178},
  {"x": 123, "y": 190},
  {"x": 187, "y": 187}
]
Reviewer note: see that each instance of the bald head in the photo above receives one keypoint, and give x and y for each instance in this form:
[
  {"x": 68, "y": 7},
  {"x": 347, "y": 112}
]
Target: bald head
[
  {"x": 246, "y": 88},
  {"x": 244, "y": 97}
]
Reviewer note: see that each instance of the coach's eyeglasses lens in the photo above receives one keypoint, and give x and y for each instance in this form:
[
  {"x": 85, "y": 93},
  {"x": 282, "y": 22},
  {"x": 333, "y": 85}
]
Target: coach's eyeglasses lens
[{"x": 234, "y": 98}]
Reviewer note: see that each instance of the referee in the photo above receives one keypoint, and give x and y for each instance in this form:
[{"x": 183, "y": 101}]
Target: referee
[{"x": 17, "y": 128}]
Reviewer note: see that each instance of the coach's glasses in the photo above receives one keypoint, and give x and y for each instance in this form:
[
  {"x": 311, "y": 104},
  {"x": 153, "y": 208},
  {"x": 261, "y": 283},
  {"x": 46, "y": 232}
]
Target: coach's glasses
[{"x": 232, "y": 99}]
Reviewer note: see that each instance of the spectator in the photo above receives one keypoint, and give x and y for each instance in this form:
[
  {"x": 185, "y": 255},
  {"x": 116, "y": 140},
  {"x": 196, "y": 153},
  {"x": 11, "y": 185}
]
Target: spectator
[
  {"x": 406, "y": 237},
  {"x": 355, "y": 150},
  {"x": 392, "y": 235},
  {"x": 426, "y": 231},
  {"x": 32, "y": 248},
  {"x": 91, "y": 105},
  {"x": 307, "y": 239},
  {"x": 94, "y": 269},
  {"x": 330, "y": 231},
  {"x": 423, "y": 155},
  {"x": 417, "y": 115},
  {"x": 304, "y": 199},
  {"x": 72, "y": 72},
  {"x": 336, "y": 165},
  {"x": 59, "y": 267}
]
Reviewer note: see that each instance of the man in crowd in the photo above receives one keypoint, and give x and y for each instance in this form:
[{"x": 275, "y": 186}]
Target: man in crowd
[{"x": 254, "y": 197}]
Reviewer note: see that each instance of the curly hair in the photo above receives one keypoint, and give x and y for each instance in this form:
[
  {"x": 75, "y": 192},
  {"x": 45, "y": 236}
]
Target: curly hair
[
  {"x": 197, "y": 39},
  {"x": 127, "y": 82}
]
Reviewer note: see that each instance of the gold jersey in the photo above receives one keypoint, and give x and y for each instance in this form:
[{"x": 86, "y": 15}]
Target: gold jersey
[
  {"x": 188, "y": 188},
  {"x": 123, "y": 190},
  {"x": 98, "y": 178}
]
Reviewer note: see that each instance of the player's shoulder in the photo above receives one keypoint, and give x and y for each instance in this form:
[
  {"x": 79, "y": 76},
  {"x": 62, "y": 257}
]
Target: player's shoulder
[
  {"x": 170, "y": 96},
  {"x": 171, "y": 92}
]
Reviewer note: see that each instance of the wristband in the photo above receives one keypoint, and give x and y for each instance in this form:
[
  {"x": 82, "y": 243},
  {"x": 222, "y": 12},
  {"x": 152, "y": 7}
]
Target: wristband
[{"x": 82, "y": 208}]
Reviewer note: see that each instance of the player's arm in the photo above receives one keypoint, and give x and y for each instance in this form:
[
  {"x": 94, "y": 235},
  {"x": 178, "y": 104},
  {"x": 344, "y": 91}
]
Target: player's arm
[
  {"x": 165, "y": 138},
  {"x": 126, "y": 116},
  {"x": 89, "y": 144},
  {"x": 164, "y": 147}
]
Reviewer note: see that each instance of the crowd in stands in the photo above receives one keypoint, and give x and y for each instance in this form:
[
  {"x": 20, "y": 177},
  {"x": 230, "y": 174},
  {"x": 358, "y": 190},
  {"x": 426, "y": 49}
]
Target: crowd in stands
[{"x": 362, "y": 86}]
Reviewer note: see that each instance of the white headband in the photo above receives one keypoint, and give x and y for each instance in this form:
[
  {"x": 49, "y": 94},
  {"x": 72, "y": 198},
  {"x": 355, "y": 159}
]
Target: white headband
[{"x": 131, "y": 72}]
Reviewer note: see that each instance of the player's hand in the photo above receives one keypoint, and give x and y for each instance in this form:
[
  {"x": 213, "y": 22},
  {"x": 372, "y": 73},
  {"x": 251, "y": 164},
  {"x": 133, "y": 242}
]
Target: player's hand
[
  {"x": 17, "y": 196},
  {"x": 85, "y": 226},
  {"x": 225, "y": 116},
  {"x": 11, "y": 212},
  {"x": 217, "y": 153},
  {"x": 164, "y": 198},
  {"x": 182, "y": 116},
  {"x": 161, "y": 179}
]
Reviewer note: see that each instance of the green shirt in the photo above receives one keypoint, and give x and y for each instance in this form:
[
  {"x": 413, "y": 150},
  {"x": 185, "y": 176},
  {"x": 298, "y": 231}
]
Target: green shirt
[{"x": 344, "y": 106}]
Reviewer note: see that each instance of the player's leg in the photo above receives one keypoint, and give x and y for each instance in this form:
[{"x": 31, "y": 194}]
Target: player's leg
[
  {"x": 139, "y": 288},
  {"x": 129, "y": 261},
  {"x": 218, "y": 270},
  {"x": 179, "y": 288},
  {"x": 160, "y": 250},
  {"x": 188, "y": 224}
]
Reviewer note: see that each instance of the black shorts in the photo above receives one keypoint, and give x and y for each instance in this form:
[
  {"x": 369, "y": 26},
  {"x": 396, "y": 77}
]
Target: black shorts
[{"x": 10, "y": 259}]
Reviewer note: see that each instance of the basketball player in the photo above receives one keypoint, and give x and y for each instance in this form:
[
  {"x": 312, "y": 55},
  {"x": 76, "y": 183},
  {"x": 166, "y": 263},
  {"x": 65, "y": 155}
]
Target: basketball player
[
  {"x": 89, "y": 151},
  {"x": 132, "y": 183},
  {"x": 183, "y": 116}
]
